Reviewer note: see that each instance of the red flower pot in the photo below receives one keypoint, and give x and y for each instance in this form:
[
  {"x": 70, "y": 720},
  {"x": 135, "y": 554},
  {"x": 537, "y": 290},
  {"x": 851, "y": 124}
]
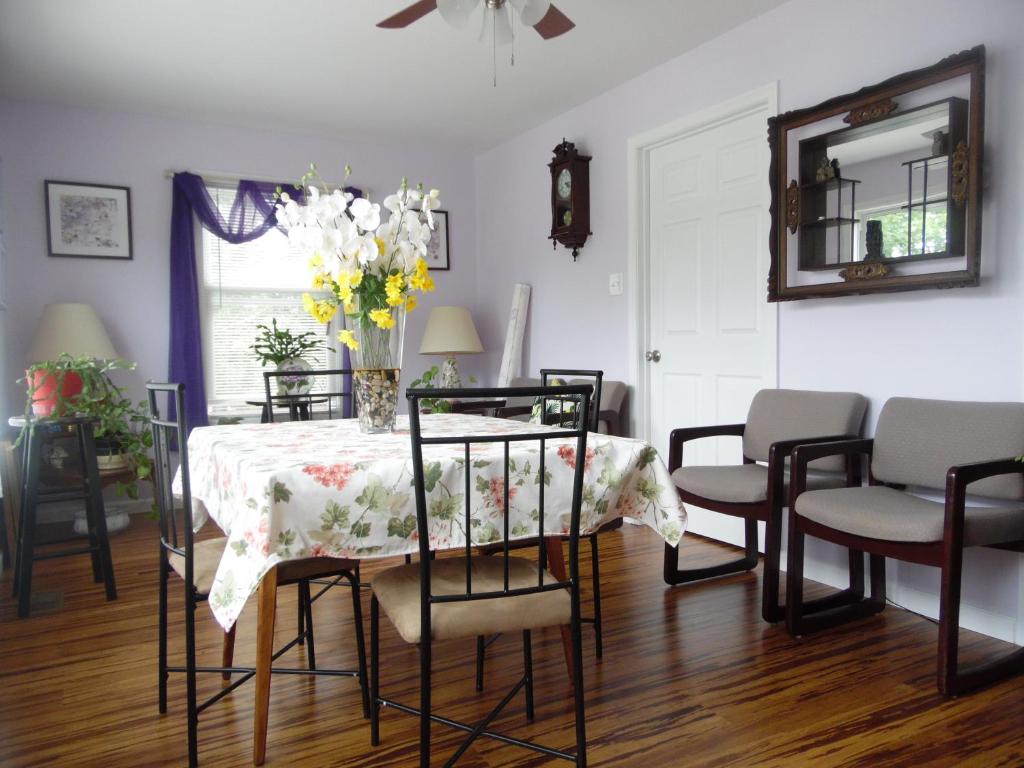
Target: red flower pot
[{"x": 44, "y": 390}]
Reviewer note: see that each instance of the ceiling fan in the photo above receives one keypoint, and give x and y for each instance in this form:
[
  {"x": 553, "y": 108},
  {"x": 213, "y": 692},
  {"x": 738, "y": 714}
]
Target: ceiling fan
[{"x": 539, "y": 14}]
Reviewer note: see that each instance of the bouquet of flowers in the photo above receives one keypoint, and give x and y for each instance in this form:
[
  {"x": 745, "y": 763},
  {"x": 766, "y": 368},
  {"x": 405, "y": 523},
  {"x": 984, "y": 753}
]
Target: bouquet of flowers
[{"x": 369, "y": 263}]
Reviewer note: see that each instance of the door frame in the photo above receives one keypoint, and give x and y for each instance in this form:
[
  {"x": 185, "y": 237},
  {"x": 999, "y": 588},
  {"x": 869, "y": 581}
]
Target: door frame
[{"x": 638, "y": 151}]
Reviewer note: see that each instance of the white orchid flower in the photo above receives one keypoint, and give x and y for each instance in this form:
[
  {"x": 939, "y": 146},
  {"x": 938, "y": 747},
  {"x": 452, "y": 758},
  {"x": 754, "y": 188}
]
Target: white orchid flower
[
  {"x": 339, "y": 202},
  {"x": 394, "y": 203},
  {"x": 365, "y": 214}
]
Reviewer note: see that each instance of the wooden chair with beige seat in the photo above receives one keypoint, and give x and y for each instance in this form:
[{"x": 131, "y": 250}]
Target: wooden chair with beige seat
[
  {"x": 196, "y": 563},
  {"x": 778, "y": 421},
  {"x": 935, "y": 446}
]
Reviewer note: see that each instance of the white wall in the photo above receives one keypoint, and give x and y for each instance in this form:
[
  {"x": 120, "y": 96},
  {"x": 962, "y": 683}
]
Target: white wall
[
  {"x": 963, "y": 343},
  {"x": 45, "y": 142}
]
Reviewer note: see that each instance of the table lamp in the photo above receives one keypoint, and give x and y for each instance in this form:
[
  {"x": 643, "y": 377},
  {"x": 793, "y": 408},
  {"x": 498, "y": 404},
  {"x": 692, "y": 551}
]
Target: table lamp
[
  {"x": 450, "y": 331},
  {"x": 72, "y": 328}
]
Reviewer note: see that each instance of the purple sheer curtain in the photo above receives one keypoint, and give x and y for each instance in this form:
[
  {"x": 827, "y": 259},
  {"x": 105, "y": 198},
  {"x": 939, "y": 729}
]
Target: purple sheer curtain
[{"x": 252, "y": 215}]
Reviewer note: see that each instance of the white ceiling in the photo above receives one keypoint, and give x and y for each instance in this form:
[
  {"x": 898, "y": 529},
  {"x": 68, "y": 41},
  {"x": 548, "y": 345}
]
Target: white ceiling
[{"x": 322, "y": 66}]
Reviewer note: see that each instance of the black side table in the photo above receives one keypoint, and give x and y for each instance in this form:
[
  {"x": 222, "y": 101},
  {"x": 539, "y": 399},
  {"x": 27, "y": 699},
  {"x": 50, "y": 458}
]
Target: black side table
[{"x": 87, "y": 487}]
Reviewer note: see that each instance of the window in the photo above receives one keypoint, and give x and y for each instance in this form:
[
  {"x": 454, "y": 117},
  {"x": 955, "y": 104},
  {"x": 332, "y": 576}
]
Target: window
[{"x": 241, "y": 287}]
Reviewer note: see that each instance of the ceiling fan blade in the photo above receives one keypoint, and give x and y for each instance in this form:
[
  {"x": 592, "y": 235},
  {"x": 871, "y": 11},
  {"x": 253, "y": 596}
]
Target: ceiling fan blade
[
  {"x": 553, "y": 24},
  {"x": 407, "y": 16}
]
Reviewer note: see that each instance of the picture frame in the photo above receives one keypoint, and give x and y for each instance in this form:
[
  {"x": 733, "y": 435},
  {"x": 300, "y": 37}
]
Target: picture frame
[
  {"x": 438, "y": 251},
  {"x": 92, "y": 221}
]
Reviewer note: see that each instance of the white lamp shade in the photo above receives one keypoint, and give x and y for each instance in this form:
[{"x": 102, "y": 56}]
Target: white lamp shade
[
  {"x": 450, "y": 331},
  {"x": 72, "y": 328}
]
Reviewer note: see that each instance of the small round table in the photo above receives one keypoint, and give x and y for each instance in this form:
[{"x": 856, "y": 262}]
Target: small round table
[{"x": 297, "y": 405}]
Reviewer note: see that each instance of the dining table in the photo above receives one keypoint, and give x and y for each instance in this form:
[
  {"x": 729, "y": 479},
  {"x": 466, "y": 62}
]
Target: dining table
[{"x": 307, "y": 489}]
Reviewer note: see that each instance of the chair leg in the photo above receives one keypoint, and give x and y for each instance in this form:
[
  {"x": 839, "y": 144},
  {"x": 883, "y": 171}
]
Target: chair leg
[
  {"x": 190, "y": 676},
  {"x": 772, "y": 609},
  {"x": 301, "y": 617},
  {"x": 99, "y": 515},
  {"x": 481, "y": 650},
  {"x": 162, "y": 652},
  {"x": 748, "y": 562},
  {"x": 374, "y": 671},
  {"x": 528, "y": 673},
  {"x": 306, "y": 607},
  {"x": 27, "y": 529},
  {"x": 425, "y": 662},
  {"x": 795, "y": 579},
  {"x": 595, "y": 561},
  {"x": 577, "y": 684},
  {"x": 357, "y": 617},
  {"x": 265, "y": 619},
  {"x": 227, "y": 654}
]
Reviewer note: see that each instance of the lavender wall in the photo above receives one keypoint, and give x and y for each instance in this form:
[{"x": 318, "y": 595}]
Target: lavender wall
[
  {"x": 43, "y": 142},
  {"x": 957, "y": 344}
]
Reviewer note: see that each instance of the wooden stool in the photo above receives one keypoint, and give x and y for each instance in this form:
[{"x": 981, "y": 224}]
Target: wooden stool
[{"x": 33, "y": 493}]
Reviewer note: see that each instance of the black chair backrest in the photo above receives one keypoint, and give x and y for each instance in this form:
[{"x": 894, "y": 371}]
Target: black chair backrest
[
  {"x": 543, "y": 437},
  {"x": 167, "y": 434},
  {"x": 338, "y": 402},
  {"x": 546, "y": 376}
]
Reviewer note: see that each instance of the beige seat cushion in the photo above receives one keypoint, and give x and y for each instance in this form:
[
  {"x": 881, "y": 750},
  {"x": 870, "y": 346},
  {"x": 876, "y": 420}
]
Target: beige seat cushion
[
  {"x": 741, "y": 483},
  {"x": 206, "y": 557},
  {"x": 879, "y": 512},
  {"x": 398, "y": 590}
]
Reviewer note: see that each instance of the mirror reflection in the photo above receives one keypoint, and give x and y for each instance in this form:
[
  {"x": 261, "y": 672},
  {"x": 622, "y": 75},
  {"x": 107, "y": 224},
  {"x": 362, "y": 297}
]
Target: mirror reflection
[{"x": 882, "y": 191}]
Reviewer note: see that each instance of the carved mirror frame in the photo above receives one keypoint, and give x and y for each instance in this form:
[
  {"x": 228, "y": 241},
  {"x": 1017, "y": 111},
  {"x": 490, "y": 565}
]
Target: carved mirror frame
[{"x": 864, "y": 106}]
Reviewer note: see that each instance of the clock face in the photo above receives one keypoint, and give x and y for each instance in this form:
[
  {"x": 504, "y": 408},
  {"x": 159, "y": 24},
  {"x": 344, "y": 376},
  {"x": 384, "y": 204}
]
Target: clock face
[{"x": 564, "y": 184}]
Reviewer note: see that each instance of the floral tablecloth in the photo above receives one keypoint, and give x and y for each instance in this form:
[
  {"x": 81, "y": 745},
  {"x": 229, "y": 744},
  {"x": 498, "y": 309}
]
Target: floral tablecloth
[{"x": 321, "y": 488}]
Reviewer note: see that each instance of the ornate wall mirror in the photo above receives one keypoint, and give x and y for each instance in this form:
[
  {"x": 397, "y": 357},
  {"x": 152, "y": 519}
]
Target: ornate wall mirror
[{"x": 880, "y": 190}]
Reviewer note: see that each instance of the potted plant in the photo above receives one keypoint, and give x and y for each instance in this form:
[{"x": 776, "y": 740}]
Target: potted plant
[
  {"x": 284, "y": 350},
  {"x": 81, "y": 386},
  {"x": 430, "y": 379}
]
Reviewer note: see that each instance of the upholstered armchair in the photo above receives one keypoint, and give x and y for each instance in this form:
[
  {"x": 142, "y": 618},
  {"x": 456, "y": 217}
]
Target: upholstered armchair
[
  {"x": 778, "y": 421},
  {"x": 931, "y": 445}
]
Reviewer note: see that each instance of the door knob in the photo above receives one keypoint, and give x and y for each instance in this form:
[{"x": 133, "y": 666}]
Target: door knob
[{"x": 653, "y": 356}]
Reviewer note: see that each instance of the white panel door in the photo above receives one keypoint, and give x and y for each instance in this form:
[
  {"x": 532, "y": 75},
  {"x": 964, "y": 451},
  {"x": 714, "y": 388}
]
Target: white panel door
[{"x": 708, "y": 317}]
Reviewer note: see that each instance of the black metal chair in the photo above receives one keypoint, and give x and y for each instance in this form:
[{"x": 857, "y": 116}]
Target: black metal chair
[
  {"x": 560, "y": 411},
  {"x": 196, "y": 563},
  {"x": 472, "y": 595},
  {"x": 337, "y": 399}
]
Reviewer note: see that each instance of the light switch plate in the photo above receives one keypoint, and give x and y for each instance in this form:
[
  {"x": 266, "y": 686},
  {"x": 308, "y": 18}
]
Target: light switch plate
[{"x": 615, "y": 284}]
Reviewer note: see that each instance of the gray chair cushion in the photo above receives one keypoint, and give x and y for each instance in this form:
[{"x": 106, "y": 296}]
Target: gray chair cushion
[
  {"x": 788, "y": 414},
  {"x": 878, "y": 512},
  {"x": 613, "y": 398},
  {"x": 917, "y": 441},
  {"x": 740, "y": 483}
]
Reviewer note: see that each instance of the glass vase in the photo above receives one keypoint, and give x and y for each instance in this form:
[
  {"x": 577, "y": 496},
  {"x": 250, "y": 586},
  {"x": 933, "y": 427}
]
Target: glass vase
[{"x": 377, "y": 366}]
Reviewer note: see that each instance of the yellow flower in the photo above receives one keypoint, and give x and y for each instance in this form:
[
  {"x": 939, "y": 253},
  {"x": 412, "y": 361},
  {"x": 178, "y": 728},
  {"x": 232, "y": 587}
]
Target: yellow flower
[
  {"x": 393, "y": 287},
  {"x": 420, "y": 279},
  {"x": 428, "y": 284},
  {"x": 355, "y": 278},
  {"x": 348, "y": 339},
  {"x": 383, "y": 318},
  {"x": 344, "y": 292},
  {"x": 410, "y": 302},
  {"x": 318, "y": 281},
  {"x": 381, "y": 245},
  {"x": 322, "y": 311},
  {"x": 315, "y": 260}
]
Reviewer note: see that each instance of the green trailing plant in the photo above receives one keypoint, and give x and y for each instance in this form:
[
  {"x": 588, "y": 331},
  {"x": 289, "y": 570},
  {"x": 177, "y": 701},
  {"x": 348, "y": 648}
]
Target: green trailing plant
[
  {"x": 120, "y": 423},
  {"x": 429, "y": 380},
  {"x": 274, "y": 345}
]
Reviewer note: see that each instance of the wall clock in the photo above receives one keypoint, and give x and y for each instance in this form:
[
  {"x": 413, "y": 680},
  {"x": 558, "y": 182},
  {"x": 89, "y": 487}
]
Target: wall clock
[{"x": 570, "y": 198}]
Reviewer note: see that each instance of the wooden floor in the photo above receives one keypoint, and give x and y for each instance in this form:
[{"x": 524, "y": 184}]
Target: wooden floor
[{"x": 691, "y": 677}]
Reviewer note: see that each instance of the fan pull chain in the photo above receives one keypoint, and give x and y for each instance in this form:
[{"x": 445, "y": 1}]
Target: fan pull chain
[{"x": 494, "y": 49}]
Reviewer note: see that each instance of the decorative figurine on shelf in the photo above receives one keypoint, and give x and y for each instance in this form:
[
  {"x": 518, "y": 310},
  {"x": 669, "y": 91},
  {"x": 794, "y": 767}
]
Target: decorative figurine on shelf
[
  {"x": 874, "y": 241},
  {"x": 825, "y": 170},
  {"x": 835, "y": 168},
  {"x": 939, "y": 143}
]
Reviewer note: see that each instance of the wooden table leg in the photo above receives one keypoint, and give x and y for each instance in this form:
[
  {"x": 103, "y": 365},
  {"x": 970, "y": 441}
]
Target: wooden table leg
[
  {"x": 265, "y": 617},
  {"x": 556, "y": 564}
]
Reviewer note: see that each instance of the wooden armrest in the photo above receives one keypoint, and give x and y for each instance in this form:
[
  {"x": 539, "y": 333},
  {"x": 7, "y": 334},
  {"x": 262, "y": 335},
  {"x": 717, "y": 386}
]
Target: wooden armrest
[
  {"x": 959, "y": 477},
  {"x": 781, "y": 450},
  {"x": 685, "y": 434},
  {"x": 802, "y": 455}
]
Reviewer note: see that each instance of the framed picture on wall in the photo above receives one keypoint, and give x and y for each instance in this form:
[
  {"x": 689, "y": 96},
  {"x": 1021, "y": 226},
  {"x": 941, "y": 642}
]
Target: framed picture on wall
[
  {"x": 88, "y": 220},
  {"x": 437, "y": 247}
]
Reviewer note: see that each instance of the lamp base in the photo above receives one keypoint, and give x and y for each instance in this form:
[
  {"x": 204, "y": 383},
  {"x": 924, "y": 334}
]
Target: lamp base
[{"x": 449, "y": 376}]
